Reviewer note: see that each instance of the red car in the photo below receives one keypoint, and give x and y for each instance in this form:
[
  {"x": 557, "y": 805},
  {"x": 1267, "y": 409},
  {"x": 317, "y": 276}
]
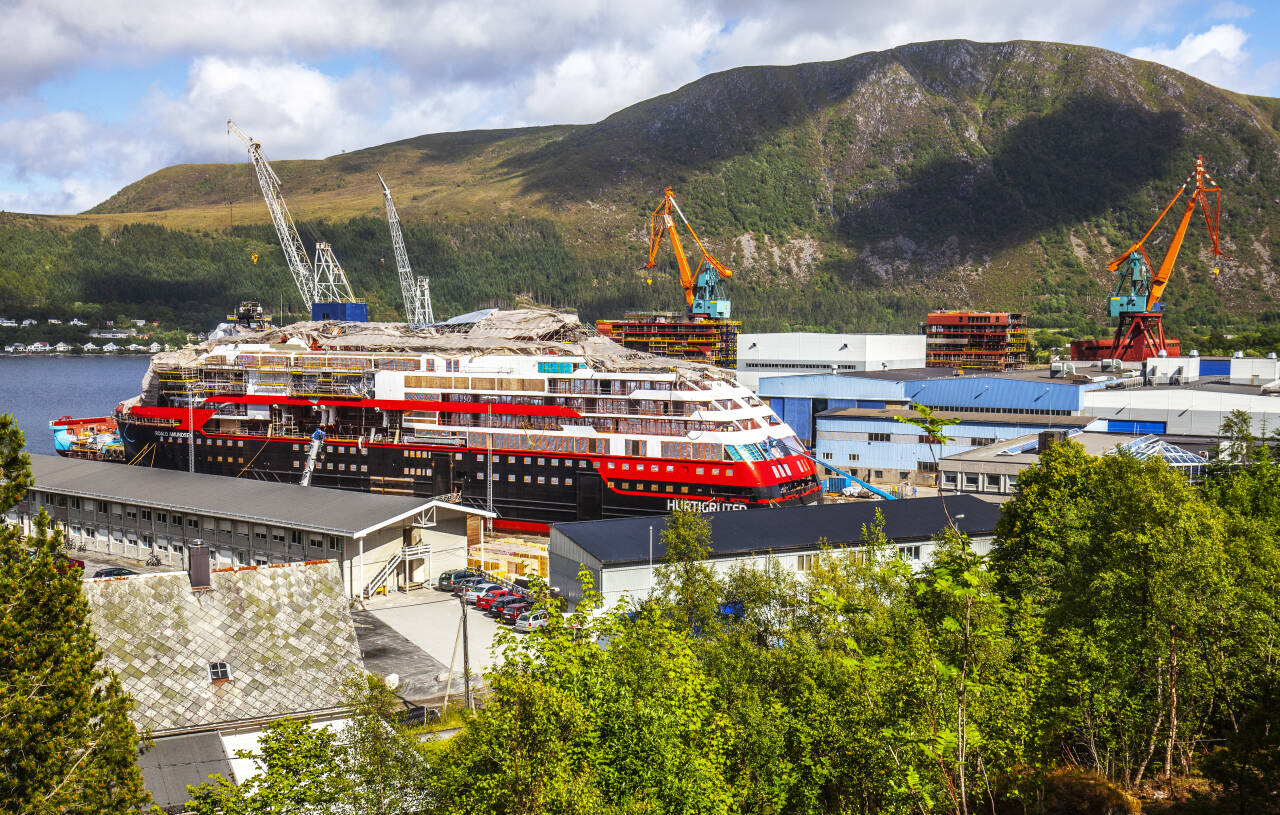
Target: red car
[
  {"x": 486, "y": 600},
  {"x": 511, "y": 612}
]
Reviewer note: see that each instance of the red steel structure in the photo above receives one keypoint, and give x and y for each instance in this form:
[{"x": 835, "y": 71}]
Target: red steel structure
[{"x": 976, "y": 340}]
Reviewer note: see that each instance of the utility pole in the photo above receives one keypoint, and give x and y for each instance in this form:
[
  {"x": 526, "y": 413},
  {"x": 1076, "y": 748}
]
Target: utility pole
[
  {"x": 466, "y": 651},
  {"x": 191, "y": 431}
]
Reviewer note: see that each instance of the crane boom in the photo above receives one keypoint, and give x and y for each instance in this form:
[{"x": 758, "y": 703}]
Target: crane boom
[
  {"x": 417, "y": 293},
  {"x": 701, "y": 292},
  {"x": 1145, "y": 286},
  {"x": 326, "y": 281}
]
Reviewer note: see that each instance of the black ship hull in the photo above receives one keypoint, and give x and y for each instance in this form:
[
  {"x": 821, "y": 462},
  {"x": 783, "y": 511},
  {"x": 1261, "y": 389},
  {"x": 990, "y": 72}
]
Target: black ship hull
[{"x": 529, "y": 490}]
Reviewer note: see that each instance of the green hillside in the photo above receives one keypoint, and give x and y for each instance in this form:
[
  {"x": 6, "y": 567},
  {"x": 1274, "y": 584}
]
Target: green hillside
[{"x": 850, "y": 195}]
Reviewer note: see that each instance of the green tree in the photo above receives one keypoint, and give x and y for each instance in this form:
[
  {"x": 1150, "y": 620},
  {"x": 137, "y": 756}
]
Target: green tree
[
  {"x": 382, "y": 769},
  {"x": 685, "y": 581},
  {"x": 66, "y": 742},
  {"x": 298, "y": 771},
  {"x": 1125, "y": 564}
]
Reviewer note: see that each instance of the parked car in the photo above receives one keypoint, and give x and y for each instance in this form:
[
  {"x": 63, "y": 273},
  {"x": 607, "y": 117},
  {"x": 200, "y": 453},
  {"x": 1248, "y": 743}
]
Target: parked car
[
  {"x": 65, "y": 564},
  {"x": 484, "y": 602},
  {"x": 114, "y": 571},
  {"x": 476, "y": 592},
  {"x": 513, "y": 611},
  {"x": 496, "y": 607},
  {"x": 465, "y": 583},
  {"x": 530, "y": 620},
  {"x": 449, "y": 579}
]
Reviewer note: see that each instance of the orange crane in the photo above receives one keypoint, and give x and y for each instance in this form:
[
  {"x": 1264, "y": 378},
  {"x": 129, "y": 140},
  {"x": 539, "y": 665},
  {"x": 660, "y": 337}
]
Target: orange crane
[
  {"x": 1136, "y": 301},
  {"x": 702, "y": 290}
]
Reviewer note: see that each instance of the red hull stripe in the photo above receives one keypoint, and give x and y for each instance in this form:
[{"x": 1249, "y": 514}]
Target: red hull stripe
[
  {"x": 74, "y": 422},
  {"x": 401, "y": 404},
  {"x": 521, "y": 526}
]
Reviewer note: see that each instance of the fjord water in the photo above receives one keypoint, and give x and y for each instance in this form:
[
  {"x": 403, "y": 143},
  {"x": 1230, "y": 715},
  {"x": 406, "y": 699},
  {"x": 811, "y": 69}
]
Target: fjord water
[{"x": 37, "y": 389}]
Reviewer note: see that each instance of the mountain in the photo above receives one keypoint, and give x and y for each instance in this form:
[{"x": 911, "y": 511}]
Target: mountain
[{"x": 853, "y": 194}]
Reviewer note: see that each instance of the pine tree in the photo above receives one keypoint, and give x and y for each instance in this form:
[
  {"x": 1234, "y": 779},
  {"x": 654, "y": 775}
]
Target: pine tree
[{"x": 66, "y": 742}]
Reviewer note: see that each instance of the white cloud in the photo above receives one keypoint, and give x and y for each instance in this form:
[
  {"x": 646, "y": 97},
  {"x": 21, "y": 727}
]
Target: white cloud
[
  {"x": 310, "y": 78},
  {"x": 1230, "y": 11},
  {"x": 1216, "y": 56}
]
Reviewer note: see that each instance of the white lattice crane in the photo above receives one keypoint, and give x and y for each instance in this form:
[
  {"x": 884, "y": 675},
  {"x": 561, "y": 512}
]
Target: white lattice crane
[
  {"x": 325, "y": 282},
  {"x": 417, "y": 291}
]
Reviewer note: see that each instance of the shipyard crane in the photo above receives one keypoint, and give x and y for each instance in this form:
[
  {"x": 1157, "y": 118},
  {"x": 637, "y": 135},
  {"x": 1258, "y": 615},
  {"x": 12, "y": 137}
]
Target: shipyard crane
[
  {"x": 323, "y": 286},
  {"x": 416, "y": 290},
  {"x": 703, "y": 292},
  {"x": 1136, "y": 301}
]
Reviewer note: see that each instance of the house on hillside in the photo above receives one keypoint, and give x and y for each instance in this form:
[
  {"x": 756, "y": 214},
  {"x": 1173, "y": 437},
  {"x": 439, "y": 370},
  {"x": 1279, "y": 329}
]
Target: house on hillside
[
  {"x": 211, "y": 657},
  {"x": 63, "y": 348},
  {"x": 53, "y": 321},
  {"x": 27, "y": 323},
  {"x": 16, "y": 348},
  {"x": 111, "y": 348},
  {"x": 133, "y": 346},
  {"x": 77, "y": 321},
  {"x": 38, "y": 347},
  {"x": 5, "y": 322},
  {"x": 89, "y": 347},
  {"x": 154, "y": 348}
]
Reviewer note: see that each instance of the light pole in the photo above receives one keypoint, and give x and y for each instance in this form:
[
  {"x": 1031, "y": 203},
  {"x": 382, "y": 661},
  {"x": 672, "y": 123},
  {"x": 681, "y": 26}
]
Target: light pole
[
  {"x": 651, "y": 560},
  {"x": 191, "y": 430},
  {"x": 466, "y": 650}
]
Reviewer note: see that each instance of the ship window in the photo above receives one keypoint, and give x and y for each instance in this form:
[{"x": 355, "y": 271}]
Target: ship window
[
  {"x": 715, "y": 471},
  {"x": 296, "y": 463},
  {"x": 670, "y": 469},
  {"x": 480, "y": 457},
  {"x": 240, "y": 443},
  {"x": 511, "y": 459},
  {"x": 626, "y": 465},
  {"x": 542, "y": 462},
  {"x": 728, "y": 471},
  {"x": 555, "y": 479},
  {"x": 582, "y": 463},
  {"x": 295, "y": 447},
  {"x": 364, "y": 468},
  {"x": 670, "y": 488},
  {"x": 653, "y": 468},
  {"x": 457, "y": 456},
  {"x": 555, "y": 462},
  {"x": 511, "y": 477},
  {"x": 528, "y": 480},
  {"x": 428, "y": 471},
  {"x": 240, "y": 460},
  {"x": 364, "y": 451},
  {"x": 542, "y": 479},
  {"x": 496, "y": 476},
  {"x": 685, "y": 490},
  {"x": 568, "y": 482},
  {"x": 528, "y": 460},
  {"x": 342, "y": 467}
]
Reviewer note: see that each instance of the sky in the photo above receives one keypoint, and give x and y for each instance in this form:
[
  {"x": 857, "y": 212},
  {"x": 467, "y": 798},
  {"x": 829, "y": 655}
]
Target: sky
[{"x": 95, "y": 95}]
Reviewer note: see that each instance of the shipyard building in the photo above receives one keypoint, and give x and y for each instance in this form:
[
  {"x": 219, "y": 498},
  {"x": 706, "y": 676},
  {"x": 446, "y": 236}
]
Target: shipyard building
[
  {"x": 852, "y": 420},
  {"x": 798, "y": 353}
]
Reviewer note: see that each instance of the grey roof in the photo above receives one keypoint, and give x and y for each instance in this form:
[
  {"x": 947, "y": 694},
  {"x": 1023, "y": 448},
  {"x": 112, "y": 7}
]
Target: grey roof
[
  {"x": 756, "y": 531},
  {"x": 330, "y": 511},
  {"x": 964, "y": 416},
  {"x": 285, "y": 630},
  {"x": 1095, "y": 444},
  {"x": 174, "y": 762}
]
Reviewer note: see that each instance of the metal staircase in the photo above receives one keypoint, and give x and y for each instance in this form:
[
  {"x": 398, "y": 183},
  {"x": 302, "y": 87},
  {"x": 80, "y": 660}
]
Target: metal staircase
[{"x": 406, "y": 553}]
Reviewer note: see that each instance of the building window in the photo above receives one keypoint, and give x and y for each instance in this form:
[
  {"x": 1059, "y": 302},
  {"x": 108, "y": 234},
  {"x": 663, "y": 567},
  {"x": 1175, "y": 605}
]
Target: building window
[
  {"x": 131, "y": 514},
  {"x": 970, "y": 481},
  {"x": 75, "y": 503},
  {"x": 982, "y": 441},
  {"x": 219, "y": 672},
  {"x": 878, "y": 436},
  {"x": 911, "y": 553},
  {"x": 993, "y": 482},
  {"x": 334, "y": 543},
  {"x": 805, "y": 562},
  {"x": 102, "y": 506},
  {"x": 927, "y": 466}
]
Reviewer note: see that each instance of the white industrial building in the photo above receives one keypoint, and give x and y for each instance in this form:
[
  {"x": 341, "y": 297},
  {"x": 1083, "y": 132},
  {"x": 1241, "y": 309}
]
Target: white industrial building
[
  {"x": 623, "y": 563},
  {"x": 807, "y": 353}
]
